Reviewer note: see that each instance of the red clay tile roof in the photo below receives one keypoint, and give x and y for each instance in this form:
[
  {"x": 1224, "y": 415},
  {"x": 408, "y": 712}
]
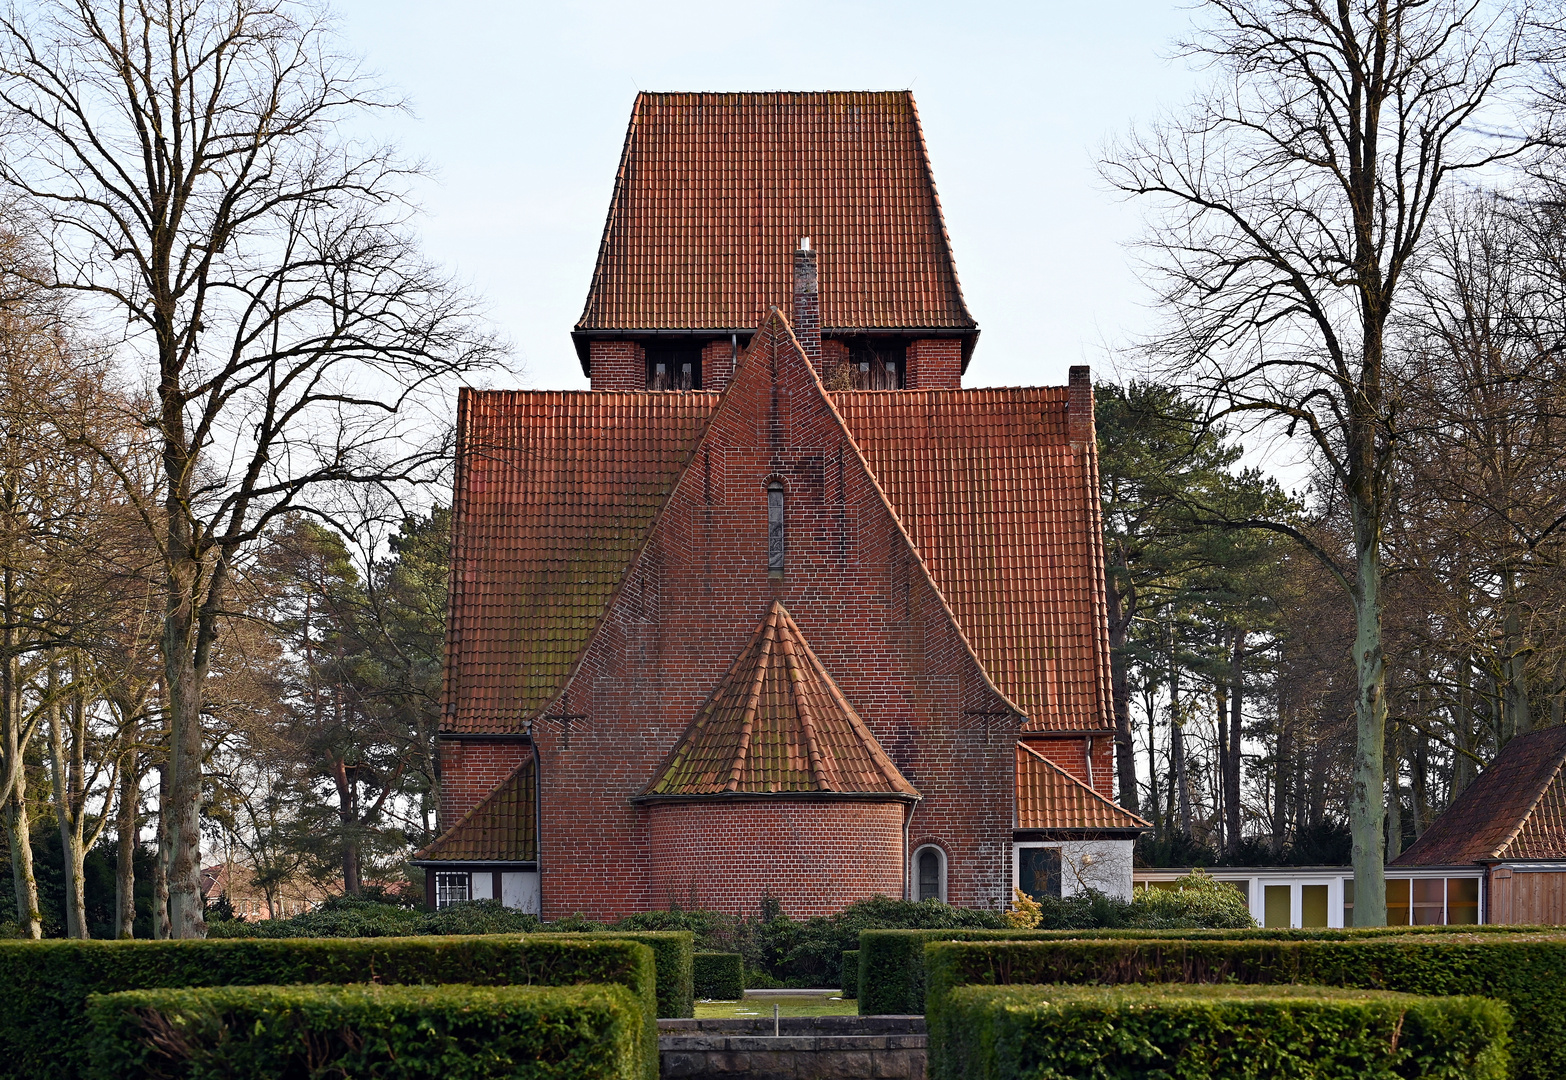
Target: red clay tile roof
[
  {"x": 1048, "y": 797},
  {"x": 501, "y": 828},
  {"x": 555, "y": 492},
  {"x": 714, "y": 192},
  {"x": 1514, "y": 809},
  {"x": 777, "y": 724},
  {"x": 1005, "y": 514}
]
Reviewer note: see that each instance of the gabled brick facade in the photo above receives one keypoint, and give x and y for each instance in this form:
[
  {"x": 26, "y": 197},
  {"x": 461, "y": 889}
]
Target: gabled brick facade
[{"x": 925, "y": 560}]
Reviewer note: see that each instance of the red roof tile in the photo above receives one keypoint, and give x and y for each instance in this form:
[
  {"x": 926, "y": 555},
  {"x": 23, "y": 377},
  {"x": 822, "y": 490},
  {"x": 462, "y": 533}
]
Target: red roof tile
[
  {"x": 777, "y": 724},
  {"x": 715, "y": 190},
  {"x": 1004, "y": 512},
  {"x": 501, "y": 828},
  {"x": 555, "y": 493},
  {"x": 1048, "y": 797},
  {"x": 1514, "y": 809}
]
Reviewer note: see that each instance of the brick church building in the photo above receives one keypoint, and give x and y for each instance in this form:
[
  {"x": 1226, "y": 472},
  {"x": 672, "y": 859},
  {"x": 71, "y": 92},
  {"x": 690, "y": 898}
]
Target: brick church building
[{"x": 778, "y": 607}]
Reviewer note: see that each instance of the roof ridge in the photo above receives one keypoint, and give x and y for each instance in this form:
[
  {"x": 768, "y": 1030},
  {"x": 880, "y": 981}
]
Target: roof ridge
[
  {"x": 753, "y": 699},
  {"x": 1533, "y": 804},
  {"x": 807, "y": 718},
  {"x": 1078, "y": 782}
]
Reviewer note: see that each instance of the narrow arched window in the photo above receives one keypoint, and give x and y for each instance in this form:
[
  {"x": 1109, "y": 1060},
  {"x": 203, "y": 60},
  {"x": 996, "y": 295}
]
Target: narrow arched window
[
  {"x": 775, "y": 527},
  {"x": 930, "y": 873}
]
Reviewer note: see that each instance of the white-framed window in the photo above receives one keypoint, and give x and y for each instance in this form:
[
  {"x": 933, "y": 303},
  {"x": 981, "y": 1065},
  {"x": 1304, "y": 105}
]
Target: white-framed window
[
  {"x": 929, "y": 873},
  {"x": 451, "y": 888},
  {"x": 1037, "y": 870}
]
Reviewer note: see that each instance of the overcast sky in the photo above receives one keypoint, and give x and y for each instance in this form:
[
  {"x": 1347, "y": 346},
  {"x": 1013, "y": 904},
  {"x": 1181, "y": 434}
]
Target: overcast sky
[{"x": 521, "y": 108}]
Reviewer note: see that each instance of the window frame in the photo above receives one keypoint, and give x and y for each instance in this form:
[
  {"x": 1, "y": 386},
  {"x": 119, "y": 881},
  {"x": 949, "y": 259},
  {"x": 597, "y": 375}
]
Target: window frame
[
  {"x": 915, "y": 883},
  {"x": 1016, "y": 865},
  {"x": 443, "y": 881},
  {"x": 777, "y": 527}
]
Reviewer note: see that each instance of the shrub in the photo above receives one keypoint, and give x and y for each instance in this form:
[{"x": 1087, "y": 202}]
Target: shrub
[
  {"x": 719, "y": 976},
  {"x": 1526, "y": 971},
  {"x": 1201, "y": 1032},
  {"x": 672, "y": 962},
  {"x": 47, "y": 983},
  {"x": 1195, "y": 901},
  {"x": 851, "y": 974},
  {"x": 351, "y": 916},
  {"x": 390, "y": 1032}
]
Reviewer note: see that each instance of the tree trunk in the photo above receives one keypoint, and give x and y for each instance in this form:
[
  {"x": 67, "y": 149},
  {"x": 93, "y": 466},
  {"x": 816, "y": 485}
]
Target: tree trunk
[
  {"x": 19, "y": 834},
  {"x": 1181, "y": 782},
  {"x": 1220, "y": 788},
  {"x": 160, "y": 865},
  {"x": 1517, "y": 718},
  {"x": 125, "y": 854},
  {"x": 181, "y": 812},
  {"x": 1421, "y": 792},
  {"x": 1159, "y": 818},
  {"x": 1394, "y": 795},
  {"x": 1120, "y": 691},
  {"x": 1366, "y": 812},
  {"x": 64, "y": 799},
  {"x": 1283, "y": 766},
  {"x": 1233, "y": 773},
  {"x": 1462, "y": 728}
]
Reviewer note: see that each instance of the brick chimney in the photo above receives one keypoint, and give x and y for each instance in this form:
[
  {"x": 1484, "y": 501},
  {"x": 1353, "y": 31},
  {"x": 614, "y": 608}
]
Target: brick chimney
[
  {"x": 1079, "y": 405},
  {"x": 807, "y": 302}
]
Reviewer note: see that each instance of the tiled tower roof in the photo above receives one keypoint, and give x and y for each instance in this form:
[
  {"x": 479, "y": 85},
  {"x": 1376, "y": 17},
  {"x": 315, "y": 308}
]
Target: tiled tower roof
[
  {"x": 1515, "y": 809},
  {"x": 501, "y": 828},
  {"x": 1048, "y": 797},
  {"x": 777, "y": 724},
  {"x": 714, "y": 192}
]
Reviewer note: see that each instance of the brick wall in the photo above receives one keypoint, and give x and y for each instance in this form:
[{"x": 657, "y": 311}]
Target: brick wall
[
  {"x": 617, "y": 365},
  {"x": 717, "y": 365},
  {"x": 694, "y": 598},
  {"x": 806, "y": 316},
  {"x": 1079, "y": 410},
  {"x": 935, "y": 364},
  {"x": 813, "y": 856},
  {"x": 470, "y": 769}
]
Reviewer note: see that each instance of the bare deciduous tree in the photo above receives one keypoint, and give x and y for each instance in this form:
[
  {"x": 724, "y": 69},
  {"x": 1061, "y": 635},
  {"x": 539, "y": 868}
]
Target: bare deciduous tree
[
  {"x": 188, "y": 160},
  {"x": 1293, "y": 198}
]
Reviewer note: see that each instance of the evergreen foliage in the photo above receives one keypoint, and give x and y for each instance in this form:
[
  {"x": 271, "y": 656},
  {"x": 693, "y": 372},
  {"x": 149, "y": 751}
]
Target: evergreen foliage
[
  {"x": 389, "y": 1032},
  {"x": 718, "y": 976}
]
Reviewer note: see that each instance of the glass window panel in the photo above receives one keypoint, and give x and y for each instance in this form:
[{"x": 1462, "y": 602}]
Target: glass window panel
[
  {"x": 1313, "y": 905},
  {"x": 775, "y": 543},
  {"x": 929, "y": 875},
  {"x": 1397, "y": 902},
  {"x": 450, "y": 889},
  {"x": 1276, "y": 906},
  {"x": 1462, "y": 901},
  {"x": 1038, "y": 871},
  {"x": 1243, "y": 888},
  {"x": 1429, "y": 901},
  {"x": 1348, "y": 901}
]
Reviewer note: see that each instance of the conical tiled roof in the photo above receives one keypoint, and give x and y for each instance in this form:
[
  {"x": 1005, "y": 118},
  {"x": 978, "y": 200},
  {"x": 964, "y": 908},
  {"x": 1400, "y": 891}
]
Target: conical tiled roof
[
  {"x": 777, "y": 725},
  {"x": 501, "y": 828},
  {"x": 1048, "y": 797}
]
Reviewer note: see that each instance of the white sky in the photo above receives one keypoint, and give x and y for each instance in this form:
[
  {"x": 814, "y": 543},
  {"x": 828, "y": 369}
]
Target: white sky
[{"x": 521, "y": 111}]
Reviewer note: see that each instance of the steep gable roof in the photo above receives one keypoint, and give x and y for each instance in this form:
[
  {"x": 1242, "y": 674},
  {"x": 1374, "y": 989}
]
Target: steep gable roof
[
  {"x": 715, "y": 190},
  {"x": 503, "y": 827},
  {"x": 558, "y": 491},
  {"x": 555, "y": 490},
  {"x": 1048, "y": 797},
  {"x": 777, "y": 724},
  {"x": 1004, "y": 511},
  {"x": 1514, "y": 809}
]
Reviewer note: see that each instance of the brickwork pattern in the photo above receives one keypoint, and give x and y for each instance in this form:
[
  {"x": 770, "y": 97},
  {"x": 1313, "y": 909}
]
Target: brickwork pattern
[
  {"x": 806, "y": 317},
  {"x": 935, "y": 364},
  {"x": 691, "y": 601},
  {"x": 813, "y": 856},
  {"x": 617, "y": 365},
  {"x": 470, "y": 770},
  {"x": 717, "y": 365}
]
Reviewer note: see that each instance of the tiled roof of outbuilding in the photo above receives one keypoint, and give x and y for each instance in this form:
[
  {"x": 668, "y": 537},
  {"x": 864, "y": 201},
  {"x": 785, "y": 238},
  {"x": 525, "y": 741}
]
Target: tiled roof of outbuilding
[
  {"x": 501, "y": 828},
  {"x": 555, "y": 493},
  {"x": 1514, "y": 809},
  {"x": 777, "y": 724},
  {"x": 714, "y": 192},
  {"x": 1004, "y": 511},
  {"x": 1048, "y": 797}
]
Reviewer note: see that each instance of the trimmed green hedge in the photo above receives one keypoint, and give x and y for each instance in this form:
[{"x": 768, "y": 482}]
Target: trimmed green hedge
[
  {"x": 672, "y": 953},
  {"x": 720, "y": 976},
  {"x": 389, "y": 1032},
  {"x": 47, "y": 983},
  {"x": 892, "y": 961},
  {"x": 1212, "y": 1033},
  {"x": 1525, "y": 971},
  {"x": 851, "y": 973}
]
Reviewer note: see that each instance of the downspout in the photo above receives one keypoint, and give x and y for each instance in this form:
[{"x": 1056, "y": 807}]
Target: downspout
[
  {"x": 538, "y": 818},
  {"x": 907, "y": 822}
]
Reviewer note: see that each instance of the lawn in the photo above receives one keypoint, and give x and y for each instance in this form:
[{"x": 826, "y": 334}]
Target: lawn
[{"x": 788, "y": 1005}]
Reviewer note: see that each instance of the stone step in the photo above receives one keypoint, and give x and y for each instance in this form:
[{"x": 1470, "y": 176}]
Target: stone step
[{"x": 804, "y": 1048}]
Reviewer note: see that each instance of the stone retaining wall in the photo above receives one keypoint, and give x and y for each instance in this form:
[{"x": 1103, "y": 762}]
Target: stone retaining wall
[{"x": 804, "y": 1048}]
